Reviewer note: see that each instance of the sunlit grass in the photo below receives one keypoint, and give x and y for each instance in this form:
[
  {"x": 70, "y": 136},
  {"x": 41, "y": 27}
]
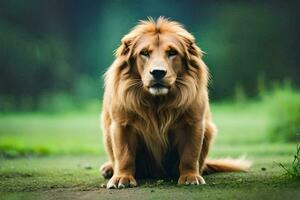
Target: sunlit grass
[
  {"x": 241, "y": 130},
  {"x": 51, "y": 133}
]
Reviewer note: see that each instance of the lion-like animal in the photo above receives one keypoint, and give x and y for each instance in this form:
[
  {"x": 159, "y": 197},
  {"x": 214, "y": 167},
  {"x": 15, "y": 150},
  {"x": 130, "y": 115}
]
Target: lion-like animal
[{"x": 156, "y": 118}]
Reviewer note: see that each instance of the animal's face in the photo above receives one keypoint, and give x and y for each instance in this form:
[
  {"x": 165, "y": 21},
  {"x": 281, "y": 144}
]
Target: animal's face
[
  {"x": 158, "y": 61},
  {"x": 162, "y": 58}
]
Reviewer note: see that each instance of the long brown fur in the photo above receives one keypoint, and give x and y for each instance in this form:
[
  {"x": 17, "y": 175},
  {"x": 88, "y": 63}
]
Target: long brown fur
[{"x": 158, "y": 136}]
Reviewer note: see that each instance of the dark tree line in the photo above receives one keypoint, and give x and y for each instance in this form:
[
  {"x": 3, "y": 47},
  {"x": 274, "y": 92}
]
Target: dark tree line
[{"x": 53, "y": 47}]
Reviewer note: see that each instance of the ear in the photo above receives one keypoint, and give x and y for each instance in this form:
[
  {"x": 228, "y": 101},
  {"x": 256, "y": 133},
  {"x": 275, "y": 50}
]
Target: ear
[
  {"x": 194, "y": 60},
  {"x": 123, "y": 55},
  {"x": 127, "y": 44},
  {"x": 124, "y": 47},
  {"x": 191, "y": 49}
]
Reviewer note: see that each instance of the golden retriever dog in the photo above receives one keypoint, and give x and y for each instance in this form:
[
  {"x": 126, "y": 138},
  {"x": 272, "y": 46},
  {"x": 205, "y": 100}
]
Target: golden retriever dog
[{"x": 156, "y": 118}]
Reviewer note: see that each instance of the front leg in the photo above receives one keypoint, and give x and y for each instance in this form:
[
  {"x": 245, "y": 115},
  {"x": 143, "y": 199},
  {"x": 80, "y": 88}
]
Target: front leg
[
  {"x": 124, "y": 150},
  {"x": 189, "y": 146}
]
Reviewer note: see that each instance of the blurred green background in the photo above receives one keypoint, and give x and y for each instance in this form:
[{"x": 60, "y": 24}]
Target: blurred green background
[{"x": 53, "y": 54}]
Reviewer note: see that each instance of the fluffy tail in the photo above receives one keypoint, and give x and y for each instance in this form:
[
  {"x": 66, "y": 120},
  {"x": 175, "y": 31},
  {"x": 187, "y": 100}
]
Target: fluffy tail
[{"x": 226, "y": 165}]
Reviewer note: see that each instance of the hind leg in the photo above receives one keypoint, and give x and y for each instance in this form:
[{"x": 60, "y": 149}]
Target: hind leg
[
  {"x": 107, "y": 168},
  {"x": 209, "y": 133}
]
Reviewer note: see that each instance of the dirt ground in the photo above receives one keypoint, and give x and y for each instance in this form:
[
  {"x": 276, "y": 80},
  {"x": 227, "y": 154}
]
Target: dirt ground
[{"x": 78, "y": 178}]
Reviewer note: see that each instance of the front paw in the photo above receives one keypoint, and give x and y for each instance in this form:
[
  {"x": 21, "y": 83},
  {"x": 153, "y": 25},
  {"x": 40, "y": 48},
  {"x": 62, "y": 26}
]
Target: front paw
[
  {"x": 121, "y": 181},
  {"x": 191, "y": 179}
]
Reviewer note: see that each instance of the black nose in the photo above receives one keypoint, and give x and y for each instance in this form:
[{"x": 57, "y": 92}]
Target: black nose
[{"x": 158, "y": 73}]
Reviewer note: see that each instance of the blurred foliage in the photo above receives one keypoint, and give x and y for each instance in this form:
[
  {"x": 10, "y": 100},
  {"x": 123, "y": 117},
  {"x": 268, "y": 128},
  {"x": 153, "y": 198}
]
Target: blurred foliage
[
  {"x": 284, "y": 108},
  {"x": 246, "y": 41},
  {"x": 53, "y": 53}
]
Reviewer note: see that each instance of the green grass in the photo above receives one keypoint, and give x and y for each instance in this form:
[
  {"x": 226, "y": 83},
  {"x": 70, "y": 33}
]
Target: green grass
[
  {"x": 71, "y": 145},
  {"x": 80, "y": 133},
  {"x": 294, "y": 170},
  {"x": 72, "y": 133}
]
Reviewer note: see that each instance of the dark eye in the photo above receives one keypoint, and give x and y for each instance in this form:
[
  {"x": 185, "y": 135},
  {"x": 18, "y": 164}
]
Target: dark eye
[
  {"x": 172, "y": 52},
  {"x": 145, "y": 52}
]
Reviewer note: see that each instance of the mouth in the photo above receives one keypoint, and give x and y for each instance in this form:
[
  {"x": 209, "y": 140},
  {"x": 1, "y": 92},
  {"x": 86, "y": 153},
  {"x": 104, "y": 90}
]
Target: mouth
[{"x": 158, "y": 89}]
